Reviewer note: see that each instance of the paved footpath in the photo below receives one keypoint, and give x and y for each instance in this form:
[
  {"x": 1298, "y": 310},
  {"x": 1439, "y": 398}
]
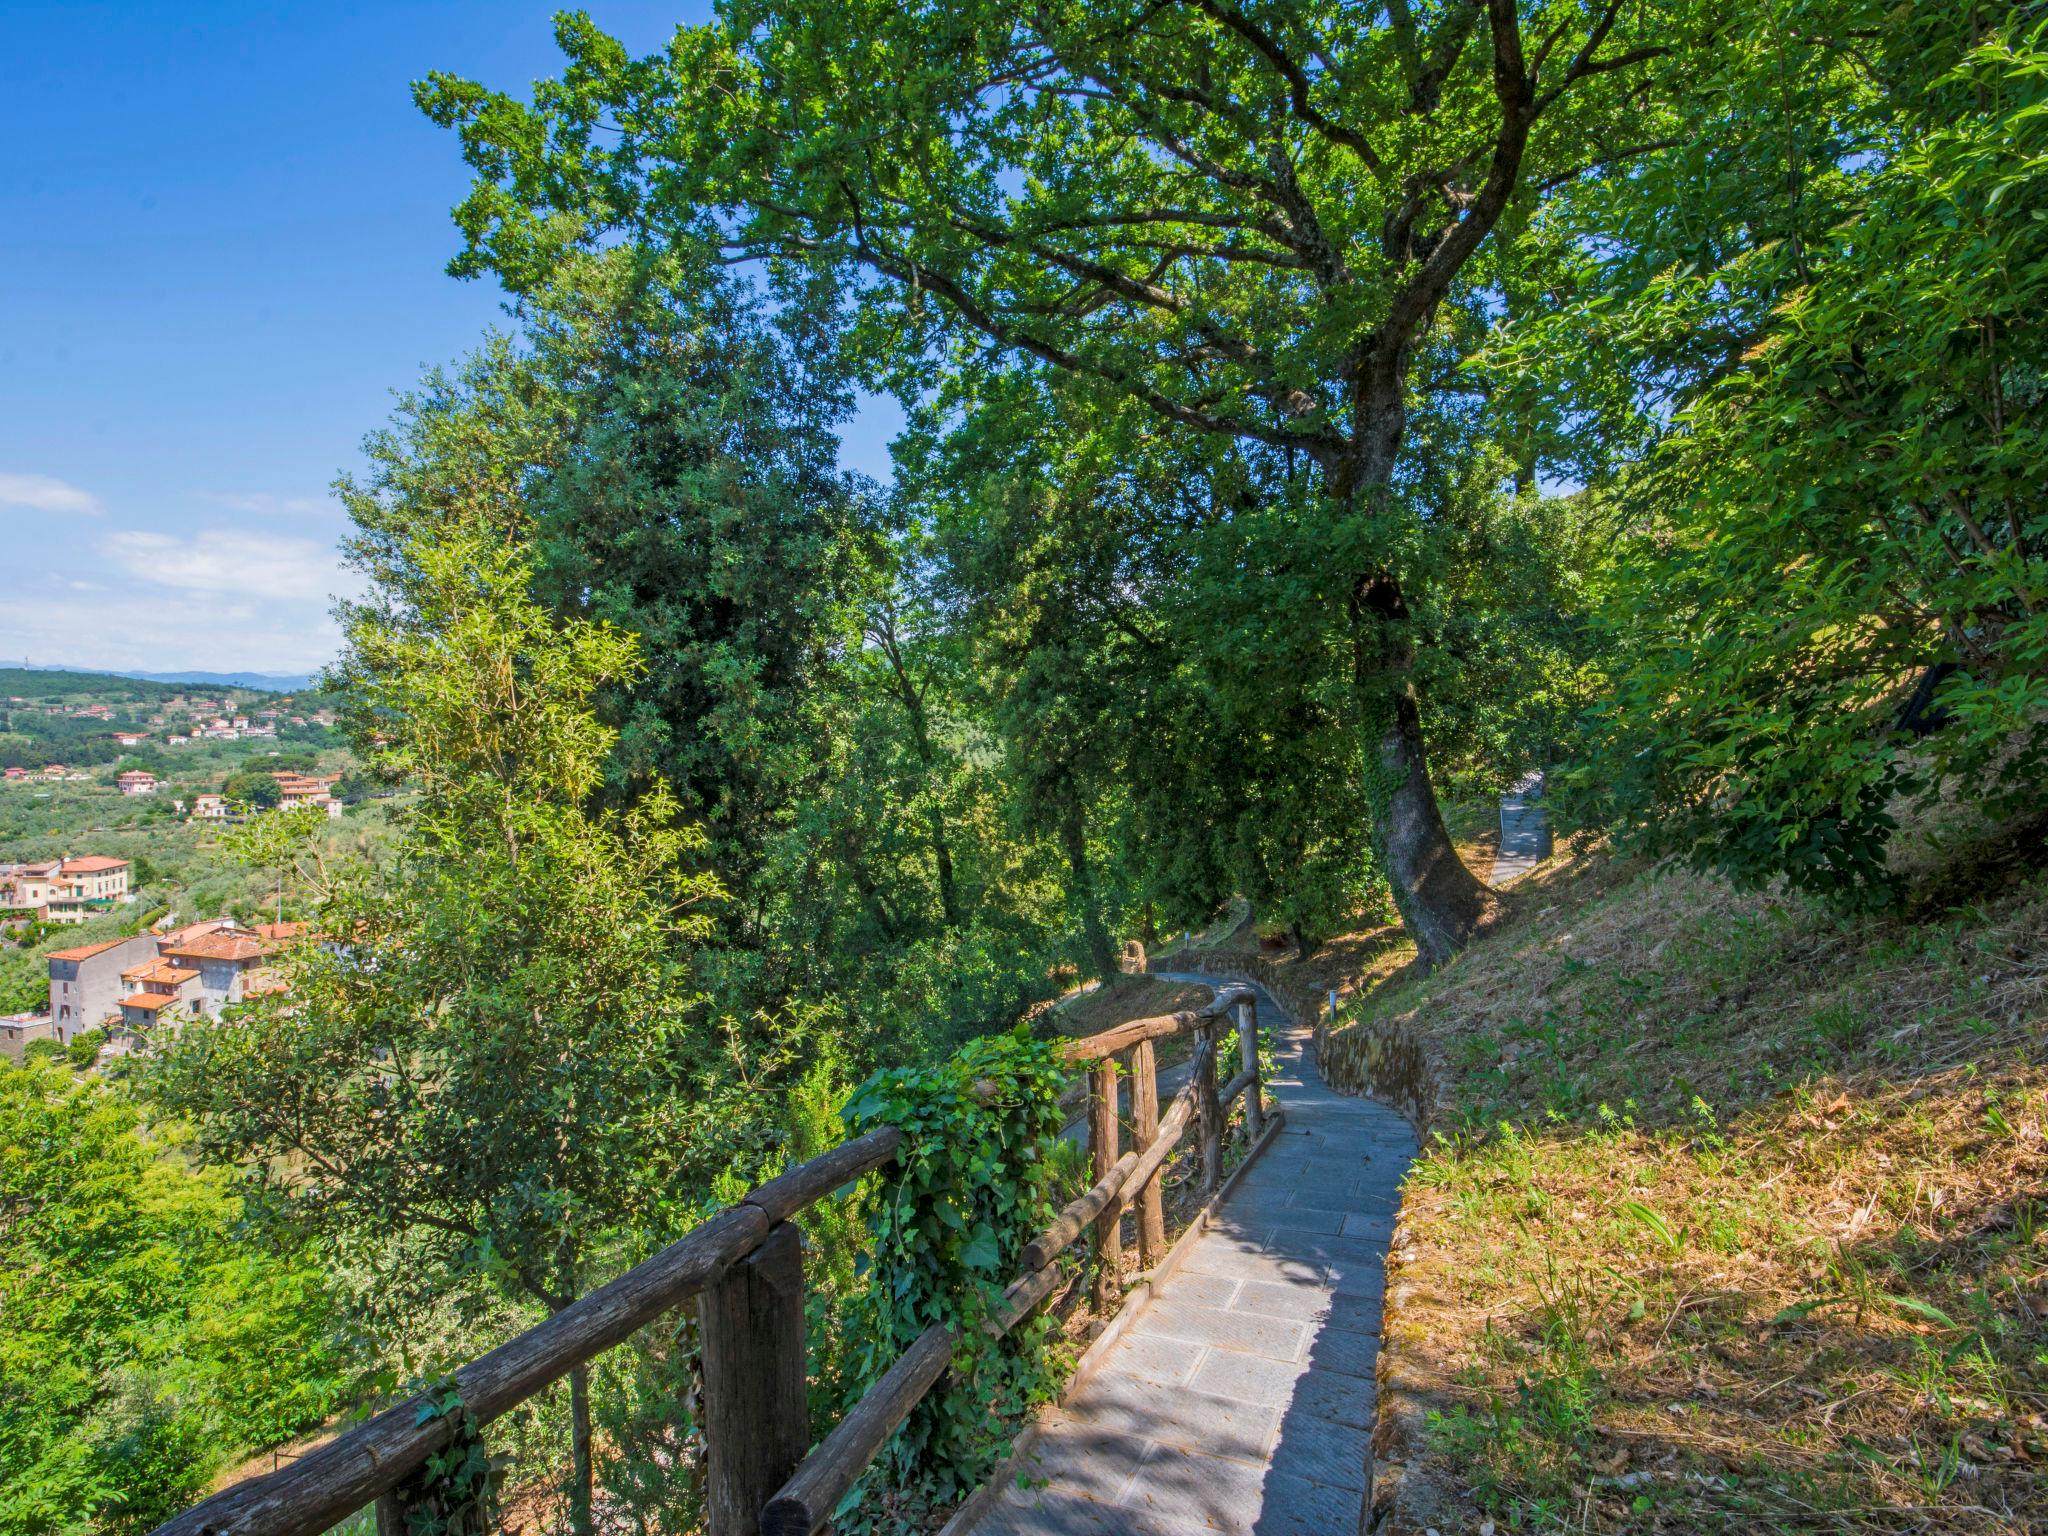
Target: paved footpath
[
  {"x": 1241, "y": 1400},
  {"x": 1524, "y": 831}
]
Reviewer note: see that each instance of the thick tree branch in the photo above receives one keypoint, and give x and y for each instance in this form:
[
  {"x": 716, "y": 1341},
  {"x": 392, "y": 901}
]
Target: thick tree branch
[
  {"x": 1433, "y": 280},
  {"x": 1303, "y": 105}
]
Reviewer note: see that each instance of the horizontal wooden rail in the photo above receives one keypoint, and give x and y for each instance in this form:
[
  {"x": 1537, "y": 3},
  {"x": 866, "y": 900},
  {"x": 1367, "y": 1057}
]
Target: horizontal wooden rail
[
  {"x": 1235, "y": 1086},
  {"x": 1080, "y": 1211},
  {"x": 1171, "y": 1126},
  {"x": 1129, "y": 1172},
  {"x": 808, "y": 1498},
  {"x": 1112, "y": 1042},
  {"x": 333, "y": 1481}
]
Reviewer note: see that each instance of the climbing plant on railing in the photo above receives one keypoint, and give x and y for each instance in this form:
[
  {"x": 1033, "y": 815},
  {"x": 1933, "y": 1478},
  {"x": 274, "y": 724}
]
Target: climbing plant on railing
[
  {"x": 456, "y": 1492},
  {"x": 948, "y": 1223}
]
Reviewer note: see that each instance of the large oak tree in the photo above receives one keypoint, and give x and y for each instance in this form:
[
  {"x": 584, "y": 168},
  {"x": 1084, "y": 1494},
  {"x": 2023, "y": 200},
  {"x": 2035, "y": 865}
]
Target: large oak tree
[{"x": 1260, "y": 220}]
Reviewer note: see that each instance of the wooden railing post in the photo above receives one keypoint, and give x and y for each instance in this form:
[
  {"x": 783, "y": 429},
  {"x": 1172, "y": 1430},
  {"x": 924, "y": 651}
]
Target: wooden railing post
[
  {"x": 1248, "y": 1059},
  {"x": 756, "y": 1417},
  {"x": 1145, "y": 1131},
  {"x": 1206, "y": 1107},
  {"x": 391, "y": 1513},
  {"x": 1102, "y": 1139}
]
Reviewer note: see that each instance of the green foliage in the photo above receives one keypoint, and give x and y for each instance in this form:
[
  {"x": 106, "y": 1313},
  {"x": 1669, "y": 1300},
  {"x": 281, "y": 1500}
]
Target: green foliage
[
  {"x": 144, "y": 1341},
  {"x": 252, "y": 788},
  {"x": 1849, "y": 507},
  {"x": 1262, "y": 229},
  {"x": 84, "y": 1047},
  {"x": 948, "y": 1223},
  {"x": 287, "y": 843},
  {"x": 661, "y": 453},
  {"x": 493, "y": 1085},
  {"x": 458, "y": 1487}
]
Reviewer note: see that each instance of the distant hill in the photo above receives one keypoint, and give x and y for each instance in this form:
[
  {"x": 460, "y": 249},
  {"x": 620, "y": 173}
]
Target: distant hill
[{"x": 268, "y": 682}]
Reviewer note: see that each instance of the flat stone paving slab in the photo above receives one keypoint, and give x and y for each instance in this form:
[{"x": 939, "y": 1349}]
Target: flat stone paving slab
[
  {"x": 1525, "y": 838},
  {"x": 1241, "y": 1399}
]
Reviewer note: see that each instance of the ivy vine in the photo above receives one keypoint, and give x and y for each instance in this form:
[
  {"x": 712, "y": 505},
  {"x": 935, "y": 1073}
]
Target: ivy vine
[
  {"x": 947, "y": 1226},
  {"x": 455, "y": 1492}
]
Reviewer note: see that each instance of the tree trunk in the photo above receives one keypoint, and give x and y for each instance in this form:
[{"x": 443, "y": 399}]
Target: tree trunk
[
  {"x": 579, "y": 1451},
  {"x": 942, "y": 856},
  {"x": 921, "y": 738},
  {"x": 1442, "y": 903},
  {"x": 1074, "y": 843}
]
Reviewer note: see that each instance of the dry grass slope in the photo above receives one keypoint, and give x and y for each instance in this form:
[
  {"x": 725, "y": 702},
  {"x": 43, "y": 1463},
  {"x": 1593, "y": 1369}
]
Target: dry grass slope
[{"x": 1736, "y": 1215}]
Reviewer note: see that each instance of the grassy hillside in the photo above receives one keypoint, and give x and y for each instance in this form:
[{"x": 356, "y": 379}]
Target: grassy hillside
[{"x": 1737, "y": 1212}]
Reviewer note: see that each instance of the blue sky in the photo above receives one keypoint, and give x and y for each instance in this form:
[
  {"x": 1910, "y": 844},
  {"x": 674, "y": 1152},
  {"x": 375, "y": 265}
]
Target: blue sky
[{"x": 222, "y": 235}]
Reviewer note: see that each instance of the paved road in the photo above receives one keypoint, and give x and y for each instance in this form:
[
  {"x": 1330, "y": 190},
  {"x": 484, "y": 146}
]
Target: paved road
[
  {"x": 1524, "y": 831},
  {"x": 1241, "y": 1400}
]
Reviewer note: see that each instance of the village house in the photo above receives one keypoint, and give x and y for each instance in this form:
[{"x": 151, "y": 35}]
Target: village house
[
  {"x": 229, "y": 960},
  {"x": 161, "y": 987},
  {"x": 94, "y": 878},
  {"x": 19, "y": 1030},
  {"x": 135, "y": 781},
  {"x": 129, "y": 738},
  {"x": 86, "y": 986},
  {"x": 135, "y": 987},
  {"x": 309, "y": 789},
  {"x": 28, "y": 885},
  {"x": 209, "y": 807},
  {"x": 65, "y": 890}
]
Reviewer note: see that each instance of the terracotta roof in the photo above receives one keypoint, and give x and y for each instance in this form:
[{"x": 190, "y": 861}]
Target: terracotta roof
[
  {"x": 220, "y": 946},
  {"x": 148, "y": 1002},
  {"x": 86, "y": 951},
  {"x": 278, "y": 932},
  {"x": 92, "y": 864},
  {"x": 158, "y": 970},
  {"x": 191, "y": 931}
]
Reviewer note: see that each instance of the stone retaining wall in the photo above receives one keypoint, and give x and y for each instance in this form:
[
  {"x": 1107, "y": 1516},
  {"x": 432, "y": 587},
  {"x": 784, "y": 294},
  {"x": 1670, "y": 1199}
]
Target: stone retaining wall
[{"x": 1413, "y": 1492}]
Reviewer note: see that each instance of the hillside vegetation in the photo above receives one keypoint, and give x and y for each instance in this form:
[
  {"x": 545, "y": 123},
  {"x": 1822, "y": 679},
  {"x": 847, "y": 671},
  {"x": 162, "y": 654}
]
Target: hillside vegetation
[{"x": 1735, "y": 1210}]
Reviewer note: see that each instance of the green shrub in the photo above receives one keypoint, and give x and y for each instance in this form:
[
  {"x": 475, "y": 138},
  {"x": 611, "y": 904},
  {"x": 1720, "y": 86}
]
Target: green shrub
[{"x": 948, "y": 1221}]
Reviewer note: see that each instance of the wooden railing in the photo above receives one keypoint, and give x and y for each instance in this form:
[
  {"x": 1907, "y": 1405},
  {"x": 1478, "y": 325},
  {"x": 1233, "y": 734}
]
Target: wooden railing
[{"x": 744, "y": 1267}]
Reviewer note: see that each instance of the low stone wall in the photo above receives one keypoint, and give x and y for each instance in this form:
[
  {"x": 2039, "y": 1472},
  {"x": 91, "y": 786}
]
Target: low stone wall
[{"x": 1413, "y": 1492}]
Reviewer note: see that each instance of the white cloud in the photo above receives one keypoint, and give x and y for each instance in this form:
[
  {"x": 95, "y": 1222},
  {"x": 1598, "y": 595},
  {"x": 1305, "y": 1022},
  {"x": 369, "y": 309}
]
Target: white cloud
[
  {"x": 172, "y": 635},
  {"x": 45, "y": 493},
  {"x": 264, "y": 504},
  {"x": 226, "y": 564}
]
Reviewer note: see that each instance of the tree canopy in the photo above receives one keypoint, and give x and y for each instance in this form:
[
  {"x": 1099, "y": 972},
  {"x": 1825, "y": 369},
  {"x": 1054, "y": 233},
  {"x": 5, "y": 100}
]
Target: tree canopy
[{"x": 1260, "y": 223}]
